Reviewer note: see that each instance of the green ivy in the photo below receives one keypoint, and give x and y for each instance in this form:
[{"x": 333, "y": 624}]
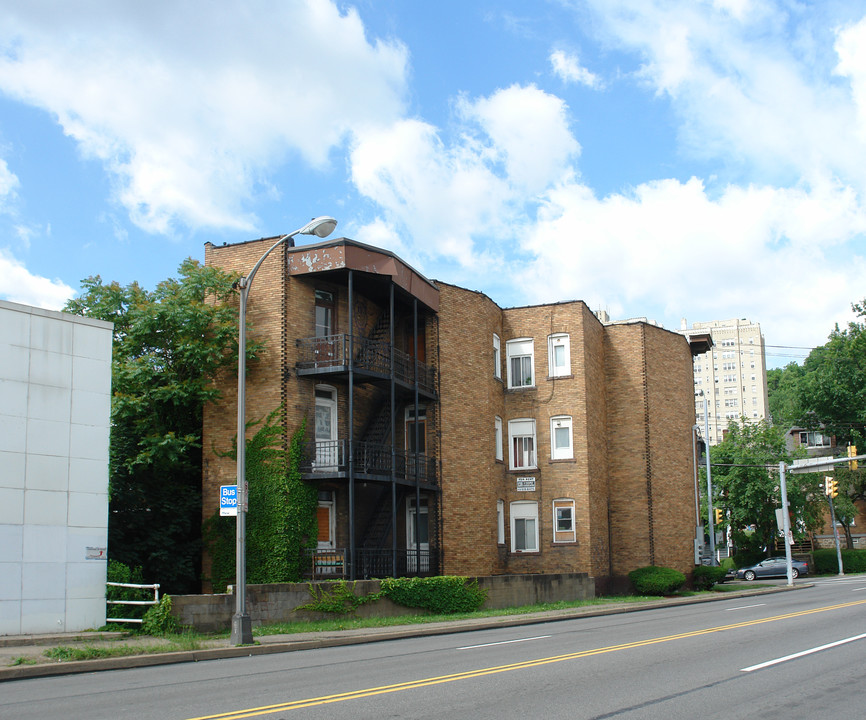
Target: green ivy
[
  {"x": 442, "y": 595},
  {"x": 281, "y": 521},
  {"x": 336, "y": 597}
]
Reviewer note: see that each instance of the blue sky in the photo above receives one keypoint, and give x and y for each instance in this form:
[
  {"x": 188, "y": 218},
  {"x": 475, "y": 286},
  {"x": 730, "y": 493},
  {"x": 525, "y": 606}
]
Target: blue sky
[{"x": 628, "y": 153}]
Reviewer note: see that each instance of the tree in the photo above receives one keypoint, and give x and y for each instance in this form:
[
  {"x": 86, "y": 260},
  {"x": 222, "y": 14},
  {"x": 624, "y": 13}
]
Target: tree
[
  {"x": 832, "y": 391},
  {"x": 168, "y": 345},
  {"x": 746, "y": 482},
  {"x": 783, "y": 389}
]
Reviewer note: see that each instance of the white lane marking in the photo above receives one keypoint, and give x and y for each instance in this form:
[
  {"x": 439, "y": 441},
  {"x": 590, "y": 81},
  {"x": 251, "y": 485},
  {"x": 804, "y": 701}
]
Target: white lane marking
[
  {"x": 744, "y": 607},
  {"x": 859, "y": 589},
  {"x": 504, "y": 642},
  {"x": 801, "y": 654}
]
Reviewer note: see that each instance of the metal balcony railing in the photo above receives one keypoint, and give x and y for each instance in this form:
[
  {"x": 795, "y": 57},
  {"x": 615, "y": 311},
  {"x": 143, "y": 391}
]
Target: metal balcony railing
[
  {"x": 332, "y": 351},
  {"x": 331, "y": 456}
]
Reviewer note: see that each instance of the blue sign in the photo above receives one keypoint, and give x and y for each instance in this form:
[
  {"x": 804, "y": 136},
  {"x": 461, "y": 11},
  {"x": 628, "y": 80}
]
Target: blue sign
[{"x": 228, "y": 499}]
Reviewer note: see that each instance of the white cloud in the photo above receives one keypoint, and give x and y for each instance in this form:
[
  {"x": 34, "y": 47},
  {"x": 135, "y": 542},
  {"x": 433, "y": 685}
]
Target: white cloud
[
  {"x": 9, "y": 184},
  {"x": 748, "y": 90},
  {"x": 509, "y": 147},
  {"x": 17, "y": 284},
  {"x": 568, "y": 69},
  {"x": 669, "y": 248},
  {"x": 190, "y": 104}
]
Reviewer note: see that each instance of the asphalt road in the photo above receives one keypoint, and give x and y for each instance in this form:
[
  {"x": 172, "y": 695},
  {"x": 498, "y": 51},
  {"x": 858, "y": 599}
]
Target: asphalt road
[{"x": 788, "y": 655}]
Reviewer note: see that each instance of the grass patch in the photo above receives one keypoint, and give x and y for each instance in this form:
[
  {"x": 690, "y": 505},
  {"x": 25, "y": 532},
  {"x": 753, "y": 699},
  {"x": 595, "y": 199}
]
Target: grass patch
[
  {"x": 171, "y": 643},
  {"x": 354, "y": 623},
  {"x": 22, "y": 660}
]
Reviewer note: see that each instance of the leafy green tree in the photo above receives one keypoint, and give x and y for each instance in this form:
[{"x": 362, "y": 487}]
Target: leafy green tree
[
  {"x": 746, "y": 485},
  {"x": 832, "y": 391},
  {"x": 168, "y": 345},
  {"x": 783, "y": 389}
]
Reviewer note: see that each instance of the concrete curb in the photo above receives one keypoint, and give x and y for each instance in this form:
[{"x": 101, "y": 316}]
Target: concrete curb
[{"x": 269, "y": 644}]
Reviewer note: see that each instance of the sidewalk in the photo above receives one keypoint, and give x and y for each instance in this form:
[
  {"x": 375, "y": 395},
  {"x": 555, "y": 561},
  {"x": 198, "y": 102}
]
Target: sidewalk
[{"x": 30, "y": 648}]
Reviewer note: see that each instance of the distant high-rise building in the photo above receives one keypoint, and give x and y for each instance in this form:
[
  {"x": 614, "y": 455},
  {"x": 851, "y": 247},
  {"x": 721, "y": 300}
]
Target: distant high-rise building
[{"x": 732, "y": 375}]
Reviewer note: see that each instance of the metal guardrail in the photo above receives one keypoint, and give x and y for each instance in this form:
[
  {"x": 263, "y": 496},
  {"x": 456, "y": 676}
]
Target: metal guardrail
[
  {"x": 155, "y": 601},
  {"x": 332, "y": 351},
  {"x": 330, "y": 456}
]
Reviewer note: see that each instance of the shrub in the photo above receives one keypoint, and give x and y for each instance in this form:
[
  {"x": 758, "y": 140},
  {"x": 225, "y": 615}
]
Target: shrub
[
  {"x": 444, "y": 594},
  {"x": 120, "y": 573},
  {"x": 826, "y": 562},
  {"x": 158, "y": 620},
  {"x": 705, "y": 576},
  {"x": 335, "y": 597},
  {"x": 653, "y": 580}
]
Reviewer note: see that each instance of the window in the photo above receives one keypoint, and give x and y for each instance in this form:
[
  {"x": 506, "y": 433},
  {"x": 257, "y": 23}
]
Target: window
[
  {"x": 500, "y": 522},
  {"x": 521, "y": 443},
  {"x": 417, "y": 535},
  {"x": 497, "y": 357},
  {"x": 420, "y": 426},
  {"x": 560, "y": 438},
  {"x": 524, "y": 527},
  {"x": 559, "y": 355},
  {"x": 497, "y": 434},
  {"x": 563, "y": 521},
  {"x": 521, "y": 365},
  {"x": 324, "y": 313}
]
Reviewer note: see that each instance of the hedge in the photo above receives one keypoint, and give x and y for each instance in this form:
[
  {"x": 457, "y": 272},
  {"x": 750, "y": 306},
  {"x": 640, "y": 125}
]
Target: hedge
[
  {"x": 653, "y": 580},
  {"x": 826, "y": 562}
]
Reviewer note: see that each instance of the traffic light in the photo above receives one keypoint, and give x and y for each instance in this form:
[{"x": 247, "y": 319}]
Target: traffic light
[
  {"x": 831, "y": 487},
  {"x": 718, "y": 514},
  {"x": 852, "y": 451}
]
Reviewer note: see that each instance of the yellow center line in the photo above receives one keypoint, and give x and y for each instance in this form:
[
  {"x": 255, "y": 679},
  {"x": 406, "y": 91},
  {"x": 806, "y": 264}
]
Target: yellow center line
[{"x": 481, "y": 672}]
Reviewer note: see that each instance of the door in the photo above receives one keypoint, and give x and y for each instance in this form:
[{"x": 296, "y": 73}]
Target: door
[
  {"x": 325, "y": 520},
  {"x": 327, "y": 444},
  {"x": 417, "y": 536},
  {"x": 326, "y": 342},
  {"x": 416, "y": 448}
]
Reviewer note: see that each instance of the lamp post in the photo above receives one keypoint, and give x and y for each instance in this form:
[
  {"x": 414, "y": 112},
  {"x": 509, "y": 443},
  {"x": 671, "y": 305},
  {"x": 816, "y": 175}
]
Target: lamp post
[{"x": 242, "y": 629}]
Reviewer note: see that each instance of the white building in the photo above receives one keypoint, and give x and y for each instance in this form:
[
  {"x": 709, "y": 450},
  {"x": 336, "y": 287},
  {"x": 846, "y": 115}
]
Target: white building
[
  {"x": 731, "y": 376},
  {"x": 55, "y": 384}
]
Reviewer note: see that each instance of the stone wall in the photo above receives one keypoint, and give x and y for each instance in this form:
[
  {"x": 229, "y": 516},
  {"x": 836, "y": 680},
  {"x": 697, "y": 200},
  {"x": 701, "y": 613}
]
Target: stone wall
[{"x": 277, "y": 603}]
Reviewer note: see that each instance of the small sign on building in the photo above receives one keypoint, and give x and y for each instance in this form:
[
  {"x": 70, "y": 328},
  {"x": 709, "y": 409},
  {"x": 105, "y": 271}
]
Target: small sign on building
[
  {"x": 228, "y": 500},
  {"x": 525, "y": 484}
]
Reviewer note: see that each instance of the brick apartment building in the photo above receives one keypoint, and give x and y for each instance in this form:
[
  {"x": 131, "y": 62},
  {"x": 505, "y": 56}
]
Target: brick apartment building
[{"x": 449, "y": 435}]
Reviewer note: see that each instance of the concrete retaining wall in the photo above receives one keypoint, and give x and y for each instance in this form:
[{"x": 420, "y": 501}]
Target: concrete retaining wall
[{"x": 277, "y": 603}]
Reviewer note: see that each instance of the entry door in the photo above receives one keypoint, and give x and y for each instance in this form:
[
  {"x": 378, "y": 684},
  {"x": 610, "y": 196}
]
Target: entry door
[
  {"x": 417, "y": 535},
  {"x": 416, "y": 454},
  {"x": 325, "y": 520},
  {"x": 327, "y": 444},
  {"x": 325, "y": 340}
]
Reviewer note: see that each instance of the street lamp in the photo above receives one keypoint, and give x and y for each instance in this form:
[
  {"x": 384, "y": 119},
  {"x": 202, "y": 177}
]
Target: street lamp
[{"x": 242, "y": 629}]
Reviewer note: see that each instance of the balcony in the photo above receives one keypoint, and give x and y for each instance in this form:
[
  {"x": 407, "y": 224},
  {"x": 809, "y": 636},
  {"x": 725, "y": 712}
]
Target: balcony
[
  {"x": 332, "y": 564},
  {"x": 329, "y": 458},
  {"x": 330, "y": 354}
]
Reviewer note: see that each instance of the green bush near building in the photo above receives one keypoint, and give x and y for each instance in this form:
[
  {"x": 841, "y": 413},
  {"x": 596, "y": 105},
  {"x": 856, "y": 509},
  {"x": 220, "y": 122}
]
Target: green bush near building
[{"x": 654, "y": 580}]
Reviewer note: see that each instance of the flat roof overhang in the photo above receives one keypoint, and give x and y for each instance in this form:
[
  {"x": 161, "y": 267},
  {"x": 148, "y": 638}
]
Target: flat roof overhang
[{"x": 345, "y": 254}]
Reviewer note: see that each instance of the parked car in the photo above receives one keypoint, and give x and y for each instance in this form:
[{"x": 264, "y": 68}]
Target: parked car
[{"x": 773, "y": 567}]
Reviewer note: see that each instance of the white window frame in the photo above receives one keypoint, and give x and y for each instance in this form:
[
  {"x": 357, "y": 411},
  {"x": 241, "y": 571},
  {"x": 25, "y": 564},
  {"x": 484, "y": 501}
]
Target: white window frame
[
  {"x": 559, "y": 340},
  {"x": 560, "y": 422},
  {"x": 497, "y": 357},
  {"x": 500, "y": 522},
  {"x": 521, "y": 348},
  {"x": 524, "y": 526},
  {"x": 561, "y": 533},
  {"x": 497, "y": 434},
  {"x": 522, "y": 455}
]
